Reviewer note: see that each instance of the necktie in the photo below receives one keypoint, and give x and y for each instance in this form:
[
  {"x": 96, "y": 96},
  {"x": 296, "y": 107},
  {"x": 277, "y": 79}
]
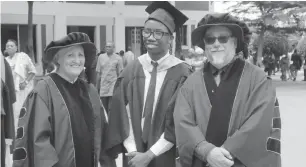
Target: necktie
[{"x": 148, "y": 110}]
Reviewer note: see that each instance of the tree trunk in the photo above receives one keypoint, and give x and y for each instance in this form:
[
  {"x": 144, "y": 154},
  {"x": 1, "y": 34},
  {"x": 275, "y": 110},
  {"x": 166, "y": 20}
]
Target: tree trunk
[
  {"x": 178, "y": 43},
  {"x": 260, "y": 45},
  {"x": 29, "y": 47}
]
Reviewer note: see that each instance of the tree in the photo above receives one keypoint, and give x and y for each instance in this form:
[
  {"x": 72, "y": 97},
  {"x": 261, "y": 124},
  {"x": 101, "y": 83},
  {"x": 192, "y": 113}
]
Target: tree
[
  {"x": 29, "y": 47},
  {"x": 270, "y": 16},
  {"x": 277, "y": 42}
]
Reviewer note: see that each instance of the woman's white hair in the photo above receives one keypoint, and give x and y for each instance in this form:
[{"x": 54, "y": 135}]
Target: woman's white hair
[{"x": 55, "y": 63}]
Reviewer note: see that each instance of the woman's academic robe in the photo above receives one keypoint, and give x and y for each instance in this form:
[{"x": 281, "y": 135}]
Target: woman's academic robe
[{"x": 44, "y": 136}]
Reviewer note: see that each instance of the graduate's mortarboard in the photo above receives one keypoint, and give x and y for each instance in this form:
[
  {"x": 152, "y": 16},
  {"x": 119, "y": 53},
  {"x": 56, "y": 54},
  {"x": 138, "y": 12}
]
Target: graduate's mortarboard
[{"x": 167, "y": 14}]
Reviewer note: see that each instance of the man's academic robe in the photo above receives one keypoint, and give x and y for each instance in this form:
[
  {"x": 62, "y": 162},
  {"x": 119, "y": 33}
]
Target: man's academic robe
[
  {"x": 128, "y": 95},
  {"x": 44, "y": 135},
  {"x": 253, "y": 136}
]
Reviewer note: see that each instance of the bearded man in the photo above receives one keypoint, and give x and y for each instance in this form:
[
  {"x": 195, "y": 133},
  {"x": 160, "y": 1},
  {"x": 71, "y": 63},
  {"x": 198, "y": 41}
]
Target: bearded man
[{"x": 227, "y": 113}]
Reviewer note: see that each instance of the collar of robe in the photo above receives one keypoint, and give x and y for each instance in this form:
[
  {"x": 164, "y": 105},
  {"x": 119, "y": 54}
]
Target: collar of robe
[
  {"x": 164, "y": 63},
  {"x": 66, "y": 79}
]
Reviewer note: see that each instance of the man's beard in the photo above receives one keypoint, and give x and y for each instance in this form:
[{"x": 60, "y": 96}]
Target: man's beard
[{"x": 220, "y": 59}]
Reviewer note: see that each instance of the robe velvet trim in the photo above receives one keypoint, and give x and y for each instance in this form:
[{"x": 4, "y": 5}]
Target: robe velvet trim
[
  {"x": 250, "y": 125},
  {"x": 225, "y": 93},
  {"x": 129, "y": 91},
  {"x": 52, "y": 121}
]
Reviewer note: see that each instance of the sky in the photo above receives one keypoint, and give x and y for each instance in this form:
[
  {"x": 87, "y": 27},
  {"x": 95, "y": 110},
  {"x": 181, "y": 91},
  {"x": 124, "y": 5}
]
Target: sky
[{"x": 221, "y": 7}]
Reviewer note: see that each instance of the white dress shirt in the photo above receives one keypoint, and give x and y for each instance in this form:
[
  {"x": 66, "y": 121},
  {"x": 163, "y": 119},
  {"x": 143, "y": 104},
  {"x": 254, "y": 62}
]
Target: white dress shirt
[{"x": 166, "y": 62}]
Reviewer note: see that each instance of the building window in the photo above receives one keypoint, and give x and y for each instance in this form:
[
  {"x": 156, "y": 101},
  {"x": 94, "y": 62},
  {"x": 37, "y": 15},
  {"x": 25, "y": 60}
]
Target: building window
[
  {"x": 184, "y": 35},
  {"x": 192, "y": 5},
  {"x": 20, "y": 34},
  {"x": 141, "y": 3},
  {"x": 90, "y": 2},
  {"x": 89, "y": 30},
  {"x": 102, "y": 38},
  {"x": 134, "y": 40}
]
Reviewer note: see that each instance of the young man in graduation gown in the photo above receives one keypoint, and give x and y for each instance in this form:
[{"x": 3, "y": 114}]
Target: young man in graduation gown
[
  {"x": 227, "y": 113},
  {"x": 141, "y": 121}
]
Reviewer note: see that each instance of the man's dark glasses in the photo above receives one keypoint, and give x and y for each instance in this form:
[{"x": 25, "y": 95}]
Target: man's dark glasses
[{"x": 212, "y": 40}]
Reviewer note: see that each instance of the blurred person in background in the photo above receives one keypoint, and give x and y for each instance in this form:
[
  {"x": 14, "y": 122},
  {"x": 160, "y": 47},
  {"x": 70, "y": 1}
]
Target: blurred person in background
[
  {"x": 23, "y": 71},
  {"x": 128, "y": 57},
  {"x": 296, "y": 64},
  {"x": 268, "y": 61},
  {"x": 109, "y": 67},
  {"x": 121, "y": 54},
  {"x": 284, "y": 65},
  {"x": 304, "y": 68},
  {"x": 189, "y": 58},
  {"x": 199, "y": 59}
]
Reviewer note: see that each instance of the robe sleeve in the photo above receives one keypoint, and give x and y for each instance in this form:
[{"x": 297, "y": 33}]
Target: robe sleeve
[
  {"x": 118, "y": 129},
  {"x": 169, "y": 128},
  {"x": 129, "y": 143},
  {"x": 188, "y": 134},
  {"x": 33, "y": 146},
  {"x": 249, "y": 143}
]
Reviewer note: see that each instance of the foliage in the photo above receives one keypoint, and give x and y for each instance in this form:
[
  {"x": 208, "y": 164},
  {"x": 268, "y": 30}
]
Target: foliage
[
  {"x": 278, "y": 44},
  {"x": 274, "y": 16}
]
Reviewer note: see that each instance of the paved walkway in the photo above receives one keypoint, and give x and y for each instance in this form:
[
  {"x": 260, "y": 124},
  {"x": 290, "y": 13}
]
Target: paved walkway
[{"x": 292, "y": 99}]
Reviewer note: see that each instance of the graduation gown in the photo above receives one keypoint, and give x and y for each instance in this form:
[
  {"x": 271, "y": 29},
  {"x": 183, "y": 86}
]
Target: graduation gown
[
  {"x": 253, "y": 135},
  {"x": 44, "y": 134},
  {"x": 128, "y": 95},
  {"x": 9, "y": 98}
]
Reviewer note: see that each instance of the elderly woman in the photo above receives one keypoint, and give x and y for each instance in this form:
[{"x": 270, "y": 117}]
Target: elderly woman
[
  {"x": 62, "y": 118},
  {"x": 23, "y": 73}
]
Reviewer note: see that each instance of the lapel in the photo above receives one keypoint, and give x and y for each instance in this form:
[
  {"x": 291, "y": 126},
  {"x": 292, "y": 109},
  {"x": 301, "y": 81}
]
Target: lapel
[{"x": 239, "y": 94}]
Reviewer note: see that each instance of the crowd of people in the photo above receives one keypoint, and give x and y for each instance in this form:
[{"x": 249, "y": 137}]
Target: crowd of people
[
  {"x": 288, "y": 64},
  {"x": 289, "y": 67},
  {"x": 213, "y": 109}
]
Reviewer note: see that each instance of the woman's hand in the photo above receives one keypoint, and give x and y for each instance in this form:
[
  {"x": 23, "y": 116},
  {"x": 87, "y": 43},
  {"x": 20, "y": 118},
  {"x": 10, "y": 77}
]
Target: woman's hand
[{"x": 23, "y": 85}]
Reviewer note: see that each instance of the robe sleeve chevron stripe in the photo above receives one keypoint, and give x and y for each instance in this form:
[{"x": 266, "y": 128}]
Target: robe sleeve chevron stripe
[
  {"x": 33, "y": 146},
  {"x": 274, "y": 142}
]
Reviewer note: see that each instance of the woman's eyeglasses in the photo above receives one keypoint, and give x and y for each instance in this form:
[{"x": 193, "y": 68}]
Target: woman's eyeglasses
[
  {"x": 212, "y": 40},
  {"x": 156, "y": 33}
]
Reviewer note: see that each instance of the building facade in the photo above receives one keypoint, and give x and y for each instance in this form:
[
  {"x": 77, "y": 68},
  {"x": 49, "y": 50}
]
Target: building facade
[{"x": 117, "y": 21}]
